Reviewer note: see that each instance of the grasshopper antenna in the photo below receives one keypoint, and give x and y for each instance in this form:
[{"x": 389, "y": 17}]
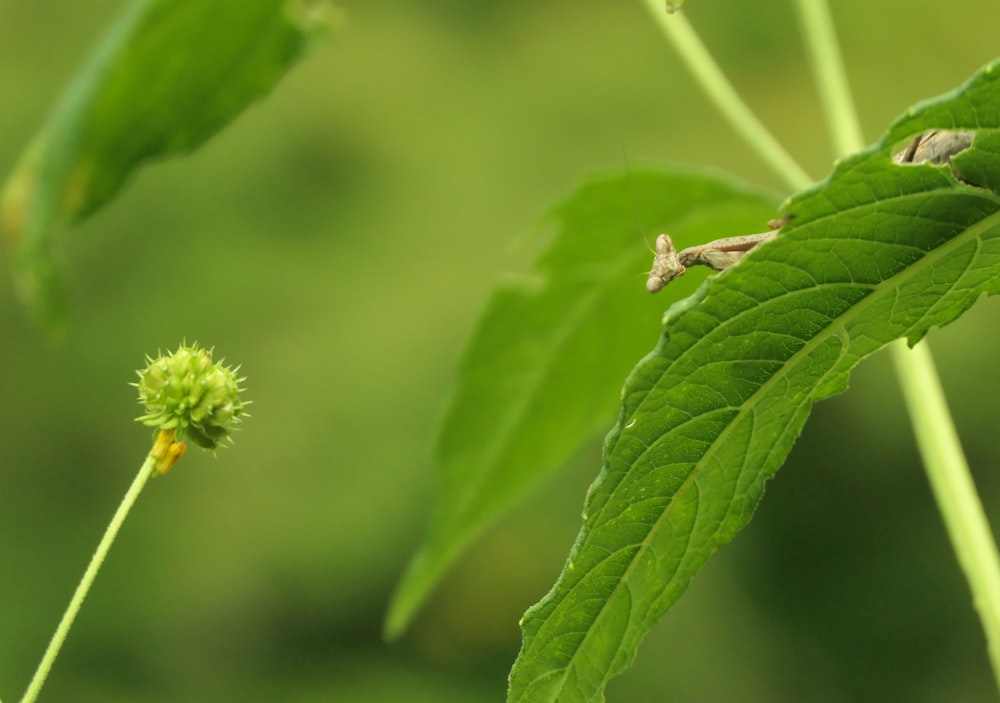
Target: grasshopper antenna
[{"x": 631, "y": 190}]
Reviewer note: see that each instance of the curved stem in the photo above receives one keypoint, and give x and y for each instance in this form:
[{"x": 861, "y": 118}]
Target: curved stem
[
  {"x": 55, "y": 644},
  {"x": 940, "y": 449},
  {"x": 726, "y": 99},
  {"x": 830, "y": 76},
  {"x": 953, "y": 487}
]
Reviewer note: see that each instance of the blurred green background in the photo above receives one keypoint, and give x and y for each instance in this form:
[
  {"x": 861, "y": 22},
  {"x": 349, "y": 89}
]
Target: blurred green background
[{"x": 338, "y": 241}]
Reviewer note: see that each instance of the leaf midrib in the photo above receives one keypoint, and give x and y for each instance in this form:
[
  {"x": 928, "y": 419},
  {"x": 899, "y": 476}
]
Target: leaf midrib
[
  {"x": 572, "y": 323},
  {"x": 837, "y": 325}
]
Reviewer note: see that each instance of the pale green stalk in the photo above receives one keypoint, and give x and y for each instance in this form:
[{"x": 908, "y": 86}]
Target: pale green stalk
[
  {"x": 953, "y": 487},
  {"x": 145, "y": 471},
  {"x": 941, "y": 451},
  {"x": 937, "y": 440},
  {"x": 721, "y": 92},
  {"x": 831, "y": 78}
]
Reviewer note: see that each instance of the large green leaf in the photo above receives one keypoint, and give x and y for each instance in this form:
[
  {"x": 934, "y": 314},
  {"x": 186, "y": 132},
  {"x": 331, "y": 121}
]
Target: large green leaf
[
  {"x": 876, "y": 252},
  {"x": 543, "y": 372},
  {"x": 166, "y": 77}
]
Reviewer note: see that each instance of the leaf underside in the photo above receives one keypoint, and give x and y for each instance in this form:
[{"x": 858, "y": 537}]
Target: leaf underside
[
  {"x": 542, "y": 375},
  {"x": 876, "y": 252},
  {"x": 166, "y": 77}
]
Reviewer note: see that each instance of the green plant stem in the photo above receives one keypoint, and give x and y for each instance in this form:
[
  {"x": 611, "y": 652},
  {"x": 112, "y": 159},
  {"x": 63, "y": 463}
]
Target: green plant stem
[
  {"x": 55, "y": 644},
  {"x": 940, "y": 449},
  {"x": 953, "y": 487},
  {"x": 937, "y": 440},
  {"x": 830, "y": 76},
  {"x": 721, "y": 92}
]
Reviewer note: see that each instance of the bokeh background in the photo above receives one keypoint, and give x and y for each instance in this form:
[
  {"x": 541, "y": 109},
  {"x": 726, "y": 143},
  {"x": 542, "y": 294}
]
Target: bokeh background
[{"x": 338, "y": 241}]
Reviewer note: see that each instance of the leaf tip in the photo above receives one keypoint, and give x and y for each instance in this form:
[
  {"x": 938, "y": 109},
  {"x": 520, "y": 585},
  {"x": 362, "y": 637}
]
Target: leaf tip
[{"x": 420, "y": 576}]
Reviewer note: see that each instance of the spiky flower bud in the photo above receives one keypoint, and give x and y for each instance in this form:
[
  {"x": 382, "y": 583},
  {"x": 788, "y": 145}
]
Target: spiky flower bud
[{"x": 187, "y": 393}]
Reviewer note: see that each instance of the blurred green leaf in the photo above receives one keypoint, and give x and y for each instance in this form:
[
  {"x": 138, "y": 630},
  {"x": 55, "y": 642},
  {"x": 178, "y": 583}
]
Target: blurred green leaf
[
  {"x": 166, "y": 77},
  {"x": 543, "y": 371},
  {"x": 876, "y": 252}
]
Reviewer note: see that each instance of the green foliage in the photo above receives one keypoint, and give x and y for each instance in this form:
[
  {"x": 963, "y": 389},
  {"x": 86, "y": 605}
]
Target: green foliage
[
  {"x": 544, "y": 367},
  {"x": 876, "y": 252},
  {"x": 166, "y": 77}
]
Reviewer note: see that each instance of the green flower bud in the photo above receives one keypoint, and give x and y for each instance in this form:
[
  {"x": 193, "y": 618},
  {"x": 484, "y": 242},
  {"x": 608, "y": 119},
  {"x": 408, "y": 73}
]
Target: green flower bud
[{"x": 187, "y": 393}]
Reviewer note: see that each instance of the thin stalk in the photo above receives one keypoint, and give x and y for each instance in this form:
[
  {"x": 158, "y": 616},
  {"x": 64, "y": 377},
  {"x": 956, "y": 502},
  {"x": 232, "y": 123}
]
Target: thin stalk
[
  {"x": 55, "y": 644},
  {"x": 828, "y": 71},
  {"x": 938, "y": 442},
  {"x": 953, "y": 487},
  {"x": 721, "y": 92}
]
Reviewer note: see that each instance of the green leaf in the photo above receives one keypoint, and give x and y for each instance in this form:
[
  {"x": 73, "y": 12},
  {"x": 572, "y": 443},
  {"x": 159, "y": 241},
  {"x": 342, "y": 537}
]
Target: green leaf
[
  {"x": 166, "y": 77},
  {"x": 876, "y": 252},
  {"x": 542, "y": 375}
]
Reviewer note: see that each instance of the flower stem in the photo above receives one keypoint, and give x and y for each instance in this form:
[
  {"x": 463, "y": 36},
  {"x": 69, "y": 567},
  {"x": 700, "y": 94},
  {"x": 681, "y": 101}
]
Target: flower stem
[
  {"x": 721, "y": 92},
  {"x": 55, "y": 644}
]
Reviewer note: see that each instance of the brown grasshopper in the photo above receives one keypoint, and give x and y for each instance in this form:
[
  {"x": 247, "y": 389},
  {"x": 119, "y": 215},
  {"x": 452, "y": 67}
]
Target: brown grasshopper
[
  {"x": 936, "y": 146},
  {"x": 719, "y": 254}
]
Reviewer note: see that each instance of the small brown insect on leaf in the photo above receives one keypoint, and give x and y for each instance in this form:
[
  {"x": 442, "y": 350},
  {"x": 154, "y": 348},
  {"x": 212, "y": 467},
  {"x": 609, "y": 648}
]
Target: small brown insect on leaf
[
  {"x": 719, "y": 255},
  {"x": 666, "y": 265}
]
